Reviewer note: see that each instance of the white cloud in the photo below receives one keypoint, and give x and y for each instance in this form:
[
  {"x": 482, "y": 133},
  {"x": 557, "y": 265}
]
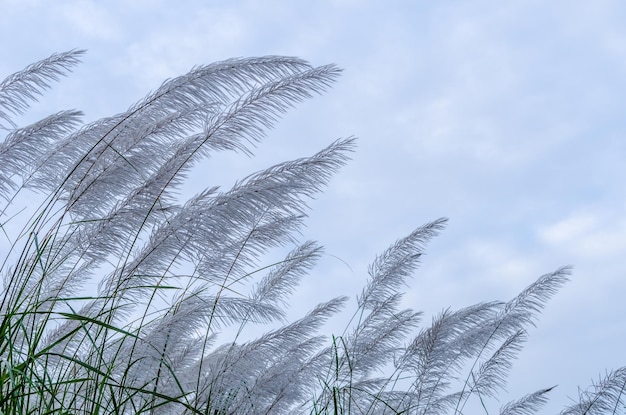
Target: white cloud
[
  {"x": 569, "y": 229},
  {"x": 91, "y": 19},
  {"x": 202, "y": 36},
  {"x": 587, "y": 235}
]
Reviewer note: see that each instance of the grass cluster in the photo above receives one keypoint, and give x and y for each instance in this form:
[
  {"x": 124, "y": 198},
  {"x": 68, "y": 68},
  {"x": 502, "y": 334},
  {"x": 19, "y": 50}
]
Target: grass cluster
[{"x": 115, "y": 293}]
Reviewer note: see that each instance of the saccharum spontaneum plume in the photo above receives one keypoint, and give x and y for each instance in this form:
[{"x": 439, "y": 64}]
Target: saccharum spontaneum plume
[{"x": 169, "y": 276}]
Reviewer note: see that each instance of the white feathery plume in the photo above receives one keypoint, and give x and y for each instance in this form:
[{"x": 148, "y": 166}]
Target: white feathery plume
[{"x": 174, "y": 277}]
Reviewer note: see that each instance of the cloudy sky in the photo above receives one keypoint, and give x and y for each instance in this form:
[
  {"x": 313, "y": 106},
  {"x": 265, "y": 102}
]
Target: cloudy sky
[{"x": 506, "y": 117}]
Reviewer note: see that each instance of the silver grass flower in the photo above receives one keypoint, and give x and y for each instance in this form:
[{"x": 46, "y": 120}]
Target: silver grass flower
[{"x": 118, "y": 298}]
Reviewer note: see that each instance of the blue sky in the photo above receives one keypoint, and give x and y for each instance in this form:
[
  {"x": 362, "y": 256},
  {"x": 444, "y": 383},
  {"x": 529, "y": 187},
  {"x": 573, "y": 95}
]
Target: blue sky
[{"x": 506, "y": 117}]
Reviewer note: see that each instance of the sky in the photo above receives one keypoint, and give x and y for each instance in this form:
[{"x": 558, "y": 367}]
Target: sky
[{"x": 506, "y": 117}]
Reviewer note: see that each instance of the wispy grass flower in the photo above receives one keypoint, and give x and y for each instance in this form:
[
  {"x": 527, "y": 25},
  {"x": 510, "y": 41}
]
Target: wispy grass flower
[{"x": 116, "y": 294}]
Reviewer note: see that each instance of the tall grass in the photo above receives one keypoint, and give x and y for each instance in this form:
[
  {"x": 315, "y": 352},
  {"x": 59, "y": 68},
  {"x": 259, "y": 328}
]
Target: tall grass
[{"x": 115, "y": 294}]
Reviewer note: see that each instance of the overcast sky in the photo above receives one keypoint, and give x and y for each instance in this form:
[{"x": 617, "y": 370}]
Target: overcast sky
[{"x": 506, "y": 117}]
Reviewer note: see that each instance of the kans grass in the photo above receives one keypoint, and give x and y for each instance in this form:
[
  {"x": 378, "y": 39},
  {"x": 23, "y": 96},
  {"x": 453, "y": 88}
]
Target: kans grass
[{"x": 114, "y": 293}]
